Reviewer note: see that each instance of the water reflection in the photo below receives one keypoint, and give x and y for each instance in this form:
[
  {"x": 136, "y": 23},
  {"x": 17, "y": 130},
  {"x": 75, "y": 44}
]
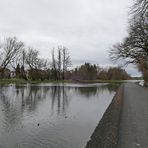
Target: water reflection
[
  {"x": 21, "y": 104},
  {"x": 92, "y": 91},
  {"x": 22, "y": 98},
  {"x": 59, "y": 99}
]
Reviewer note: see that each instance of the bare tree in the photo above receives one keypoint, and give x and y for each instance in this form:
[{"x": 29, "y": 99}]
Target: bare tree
[
  {"x": 19, "y": 59},
  {"x": 140, "y": 8},
  {"x": 33, "y": 60},
  {"x": 66, "y": 61},
  {"x": 10, "y": 49},
  {"x": 54, "y": 66},
  {"x": 59, "y": 62},
  {"x": 134, "y": 48},
  {"x": 42, "y": 63}
]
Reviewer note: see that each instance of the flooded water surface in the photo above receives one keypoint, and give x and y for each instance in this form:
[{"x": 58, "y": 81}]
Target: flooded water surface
[{"x": 51, "y": 115}]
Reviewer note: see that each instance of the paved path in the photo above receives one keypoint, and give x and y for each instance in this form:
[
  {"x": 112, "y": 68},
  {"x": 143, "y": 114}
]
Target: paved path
[{"x": 134, "y": 120}]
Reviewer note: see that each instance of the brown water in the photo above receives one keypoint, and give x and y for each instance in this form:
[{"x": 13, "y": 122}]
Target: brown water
[{"x": 51, "y": 115}]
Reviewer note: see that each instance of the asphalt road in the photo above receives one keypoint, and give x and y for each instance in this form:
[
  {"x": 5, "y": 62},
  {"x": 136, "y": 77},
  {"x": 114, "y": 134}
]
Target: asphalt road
[{"x": 133, "y": 131}]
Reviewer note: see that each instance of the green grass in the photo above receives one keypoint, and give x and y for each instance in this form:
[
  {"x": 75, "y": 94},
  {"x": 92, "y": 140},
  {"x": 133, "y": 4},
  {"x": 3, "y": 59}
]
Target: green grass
[
  {"x": 102, "y": 81},
  {"x": 8, "y": 81},
  {"x": 22, "y": 81}
]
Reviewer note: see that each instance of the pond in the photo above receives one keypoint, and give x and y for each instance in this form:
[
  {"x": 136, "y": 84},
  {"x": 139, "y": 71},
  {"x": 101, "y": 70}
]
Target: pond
[{"x": 51, "y": 115}]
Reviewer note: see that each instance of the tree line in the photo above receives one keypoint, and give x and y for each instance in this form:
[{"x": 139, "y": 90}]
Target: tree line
[
  {"x": 134, "y": 48},
  {"x": 18, "y": 61},
  {"x": 89, "y": 71},
  {"x": 25, "y": 62}
]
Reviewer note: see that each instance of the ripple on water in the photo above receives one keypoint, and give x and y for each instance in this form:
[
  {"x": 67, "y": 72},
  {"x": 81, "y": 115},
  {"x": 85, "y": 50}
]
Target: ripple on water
[{"x": 37, "y": 116}]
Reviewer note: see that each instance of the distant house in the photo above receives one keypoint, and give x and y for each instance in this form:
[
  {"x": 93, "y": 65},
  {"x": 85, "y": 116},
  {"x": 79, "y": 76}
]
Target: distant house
[
  {"x": 13, "y": 74},
  {"x": 24, "y": 74}
]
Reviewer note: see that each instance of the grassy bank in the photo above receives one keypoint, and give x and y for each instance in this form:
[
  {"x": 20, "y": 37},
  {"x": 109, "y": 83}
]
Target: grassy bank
[
  {"x": 102, "y": 81},
  {"x": 22, "y": 81}
]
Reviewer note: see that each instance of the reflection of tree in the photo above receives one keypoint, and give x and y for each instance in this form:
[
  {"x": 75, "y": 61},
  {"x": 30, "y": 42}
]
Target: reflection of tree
[
  {"x": 87, "y": 91},
  {"x": 110, "y": 88},
  {"x": 113, "y": 87},
  {"x": 12, "y": 115},
  {"x": 59, "y": 96},
  {"x": 35, "y": 95},
  {"x": 17, "y": 99},
  {"x": 92, "y": 91}
]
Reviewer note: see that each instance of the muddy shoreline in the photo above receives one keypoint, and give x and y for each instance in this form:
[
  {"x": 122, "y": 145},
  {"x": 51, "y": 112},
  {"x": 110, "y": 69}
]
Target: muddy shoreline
[{"x": 106, "y": 133}]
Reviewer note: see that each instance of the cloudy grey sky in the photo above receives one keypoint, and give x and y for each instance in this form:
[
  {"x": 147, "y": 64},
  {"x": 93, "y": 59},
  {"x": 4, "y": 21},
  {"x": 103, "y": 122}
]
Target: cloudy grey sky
[{"x": 87, "y": 27}]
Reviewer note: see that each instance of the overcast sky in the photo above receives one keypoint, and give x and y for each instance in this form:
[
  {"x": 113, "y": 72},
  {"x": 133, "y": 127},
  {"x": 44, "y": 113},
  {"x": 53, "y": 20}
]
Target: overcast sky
[{"x": 87, "y": 27}]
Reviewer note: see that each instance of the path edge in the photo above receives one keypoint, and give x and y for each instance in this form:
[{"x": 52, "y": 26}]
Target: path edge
[{"x": 106, "y": 133}]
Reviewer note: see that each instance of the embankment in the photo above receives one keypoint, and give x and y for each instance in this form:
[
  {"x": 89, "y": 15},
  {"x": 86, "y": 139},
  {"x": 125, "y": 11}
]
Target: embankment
[{"x": 106, "y": 133}]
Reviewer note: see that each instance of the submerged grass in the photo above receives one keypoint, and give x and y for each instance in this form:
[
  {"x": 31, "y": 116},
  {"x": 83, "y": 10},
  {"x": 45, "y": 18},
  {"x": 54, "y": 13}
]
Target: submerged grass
[
  {"x": 23, "y": 81},
  {"x": 103, "y": 81}
]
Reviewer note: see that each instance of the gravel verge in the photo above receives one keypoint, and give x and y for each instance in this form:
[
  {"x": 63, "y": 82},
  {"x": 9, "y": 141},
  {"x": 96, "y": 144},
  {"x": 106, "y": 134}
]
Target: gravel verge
[{"x": 106, "y": 133}]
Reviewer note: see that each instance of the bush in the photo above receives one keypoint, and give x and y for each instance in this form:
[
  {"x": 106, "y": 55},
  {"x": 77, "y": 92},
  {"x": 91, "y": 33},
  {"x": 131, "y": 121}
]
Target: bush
[{"x": 37, "y": 74}]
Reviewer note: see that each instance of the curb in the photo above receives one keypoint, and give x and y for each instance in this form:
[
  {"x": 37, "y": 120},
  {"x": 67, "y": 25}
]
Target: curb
[{"x": 106, "y": 133}]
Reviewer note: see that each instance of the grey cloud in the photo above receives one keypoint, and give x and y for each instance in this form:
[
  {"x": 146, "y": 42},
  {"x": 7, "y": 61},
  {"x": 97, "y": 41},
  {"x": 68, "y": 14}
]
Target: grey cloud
[{"x": 88, "y": 27}]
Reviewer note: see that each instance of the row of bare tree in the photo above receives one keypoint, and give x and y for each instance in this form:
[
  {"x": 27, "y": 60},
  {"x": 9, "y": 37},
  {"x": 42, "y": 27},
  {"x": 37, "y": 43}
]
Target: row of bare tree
[
  {"x": 134, "y": 48},
  {"x": 89, "y": 71},
  {"x": 61, "y": 63},
  {"x": 26, "y": 63}
]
